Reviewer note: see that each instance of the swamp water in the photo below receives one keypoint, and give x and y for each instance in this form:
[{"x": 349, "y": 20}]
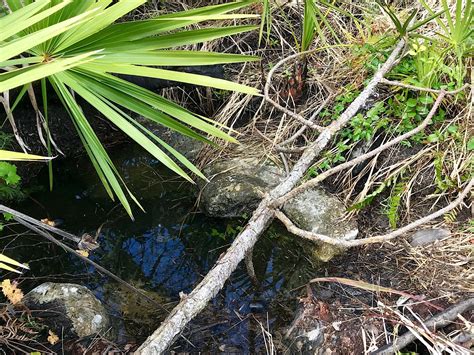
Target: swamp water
[{"x": 165, "y": 251}]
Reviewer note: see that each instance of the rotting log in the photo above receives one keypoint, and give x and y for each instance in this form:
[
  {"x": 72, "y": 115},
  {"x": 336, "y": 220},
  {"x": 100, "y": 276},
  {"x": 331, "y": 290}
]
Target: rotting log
[{"x": 215, "y": 279}]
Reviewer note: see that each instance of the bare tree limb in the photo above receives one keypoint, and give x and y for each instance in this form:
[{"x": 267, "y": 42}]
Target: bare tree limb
[
  {"x": 376, "y": 239},
  {"x": 438, "y": 321},
  {"x": 215, "y": 279}
]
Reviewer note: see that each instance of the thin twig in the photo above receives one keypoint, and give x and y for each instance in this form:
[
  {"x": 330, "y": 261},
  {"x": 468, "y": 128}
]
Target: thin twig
[
  {"x": 376, "y": 239},
  {"x": 315, "y": 181},
  {"x": 40, "y": 224},
  {"x": 87, "y": 260},
  {"x": 420, "y": 88},
  {"x": 438, "y": 321}
]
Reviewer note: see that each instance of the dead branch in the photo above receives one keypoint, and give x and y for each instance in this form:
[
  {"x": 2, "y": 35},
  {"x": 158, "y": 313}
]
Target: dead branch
[
  {"x": 215, "y": 279},
  {"x": 438, "y": 321},
  {"x": 376, "y": 239}
]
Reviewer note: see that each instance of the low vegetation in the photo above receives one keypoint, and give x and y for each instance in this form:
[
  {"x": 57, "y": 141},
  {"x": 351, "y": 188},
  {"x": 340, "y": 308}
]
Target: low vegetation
[{"x": 293, "y": 72}]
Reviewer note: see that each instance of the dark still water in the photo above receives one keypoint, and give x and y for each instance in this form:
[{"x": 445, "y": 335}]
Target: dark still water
[{"x": 165, "y": 251}]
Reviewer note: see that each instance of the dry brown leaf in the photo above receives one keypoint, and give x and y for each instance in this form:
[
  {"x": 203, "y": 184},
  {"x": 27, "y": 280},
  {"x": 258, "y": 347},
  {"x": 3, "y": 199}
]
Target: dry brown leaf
[
  {"x": 49, "y": 222},
  {"x": 52, "y": 338},
  {"x": 11, "y": 291},
  {"x": 84, "y": 253}
]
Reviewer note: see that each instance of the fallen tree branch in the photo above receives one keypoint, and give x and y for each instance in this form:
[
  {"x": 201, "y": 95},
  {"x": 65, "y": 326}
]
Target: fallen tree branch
[
  {"x": 438, "y": 321},
  {"x": 215, "y": 279},
  {"x": 376, "y": 239}
]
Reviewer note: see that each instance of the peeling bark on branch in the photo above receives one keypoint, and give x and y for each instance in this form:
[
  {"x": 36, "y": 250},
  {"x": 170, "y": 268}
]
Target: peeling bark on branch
[
  {"x": 376, "y": 239},
  {"x": 215, "y": 279}
]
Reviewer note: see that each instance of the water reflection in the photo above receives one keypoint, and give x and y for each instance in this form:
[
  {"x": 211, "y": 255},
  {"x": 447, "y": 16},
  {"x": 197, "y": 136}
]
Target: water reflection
[{"x": 167, "y": 250}]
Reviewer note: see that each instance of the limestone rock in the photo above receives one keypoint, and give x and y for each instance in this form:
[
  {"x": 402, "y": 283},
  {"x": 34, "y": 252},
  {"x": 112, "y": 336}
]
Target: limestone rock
[
  {"x": 68, "y": 309},
  {"x": 427, "y": 236},
  {"x": 237, "y": 185},
  {"x": 317, "y": 211}
]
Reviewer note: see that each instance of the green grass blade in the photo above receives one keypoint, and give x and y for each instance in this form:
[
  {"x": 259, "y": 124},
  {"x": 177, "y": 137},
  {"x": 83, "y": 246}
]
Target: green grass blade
[
  {"x": 94, "y": 25},
  {"x": 22, "y": 14},
  {"x": 107, "y": 171},
  {"x": 44, "y": 96},
  {"x": 123, "y": 124},
  {"x": 157, "y": 102},
  {"x": 20, "y": 25},
  {"x": 166, "y": 40}
]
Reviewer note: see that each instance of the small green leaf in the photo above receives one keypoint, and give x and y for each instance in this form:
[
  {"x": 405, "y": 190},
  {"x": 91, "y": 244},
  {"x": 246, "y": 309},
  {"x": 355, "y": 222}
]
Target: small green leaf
[
  {"x": 412, "y": 102},
  {"x": 432, "y": 138},
  {"x": 452, "y": 129},
  {"x": 470, "y": 144},
  {"x": 425, "y": 100},
  {"x": 7, "y": 216}
]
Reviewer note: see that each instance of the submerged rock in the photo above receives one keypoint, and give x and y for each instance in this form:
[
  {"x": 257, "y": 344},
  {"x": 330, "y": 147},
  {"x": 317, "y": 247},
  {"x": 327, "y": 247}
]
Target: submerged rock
[
  {"x": 236, "y": 186},
  {"x": 427, "y": 236},
  {"x": 317, "y": 211},
  {"x": 69, "y": 310}
]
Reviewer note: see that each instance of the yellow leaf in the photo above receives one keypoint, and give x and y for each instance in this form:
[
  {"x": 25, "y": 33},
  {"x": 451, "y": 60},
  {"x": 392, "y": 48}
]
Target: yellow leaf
[
  {"x": 84, "y": 253},
  {"x": 52, "y": 338},
  {"x": 8, "y": 155},
  {"x": 11, "y": 291}
]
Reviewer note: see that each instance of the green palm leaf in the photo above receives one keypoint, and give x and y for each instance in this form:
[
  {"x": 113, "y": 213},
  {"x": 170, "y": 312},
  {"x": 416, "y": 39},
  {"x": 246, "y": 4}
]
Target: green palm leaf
[{"x": 76, "y": 46}]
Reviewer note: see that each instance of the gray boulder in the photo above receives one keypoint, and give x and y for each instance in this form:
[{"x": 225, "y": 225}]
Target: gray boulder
[
  {"x": 69, "y": 310},
  {"x": 428, "y": 236},
  {"x": 319, "y": 212},
  {"x": 237, "y": 185}
]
